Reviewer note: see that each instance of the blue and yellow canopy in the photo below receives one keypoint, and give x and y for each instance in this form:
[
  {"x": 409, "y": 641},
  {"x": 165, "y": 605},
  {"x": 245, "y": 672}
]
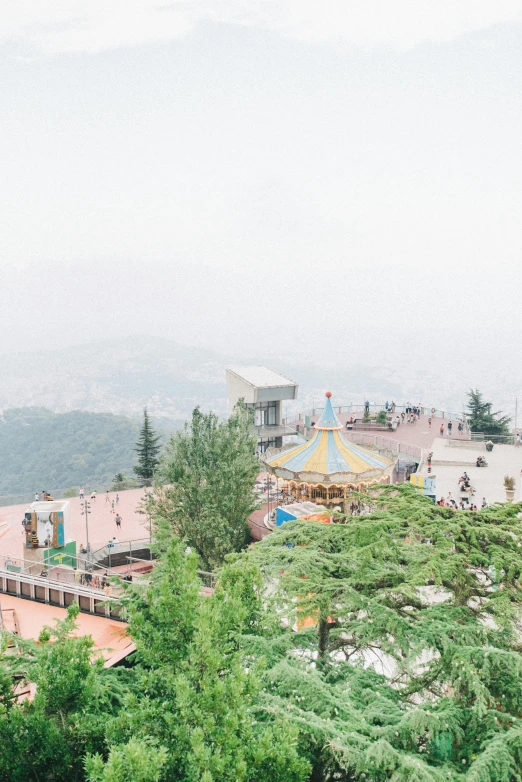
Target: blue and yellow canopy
[{"x": 328, "y": 456}]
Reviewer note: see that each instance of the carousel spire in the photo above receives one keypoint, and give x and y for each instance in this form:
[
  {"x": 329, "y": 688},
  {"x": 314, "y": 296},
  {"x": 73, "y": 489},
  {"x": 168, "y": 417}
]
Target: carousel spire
[{"x": 328, "y": 419}]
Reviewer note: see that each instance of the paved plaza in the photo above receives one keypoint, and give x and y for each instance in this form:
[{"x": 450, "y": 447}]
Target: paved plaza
[
  {"x": 450, "y": 461},
  {"x": 102, "y": 525}
]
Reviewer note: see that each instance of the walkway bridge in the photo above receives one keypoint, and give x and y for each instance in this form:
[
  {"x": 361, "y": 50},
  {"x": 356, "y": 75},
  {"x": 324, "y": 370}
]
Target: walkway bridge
[{"x": 95, "y": 585}]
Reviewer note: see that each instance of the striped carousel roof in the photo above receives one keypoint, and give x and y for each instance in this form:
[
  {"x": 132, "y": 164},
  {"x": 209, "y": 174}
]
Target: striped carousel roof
[{"x": 328, "y": 452}]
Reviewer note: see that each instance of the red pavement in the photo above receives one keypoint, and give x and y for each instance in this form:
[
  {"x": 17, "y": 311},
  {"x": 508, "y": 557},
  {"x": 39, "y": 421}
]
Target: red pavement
[
  {"x": 102, "y": 526},
  {"x": 419, "y": 433}
]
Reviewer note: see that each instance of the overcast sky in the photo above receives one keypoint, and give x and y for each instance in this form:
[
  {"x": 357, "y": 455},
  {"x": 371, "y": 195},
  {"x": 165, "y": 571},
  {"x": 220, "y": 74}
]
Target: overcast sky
[{"x": 309, "y": 178}]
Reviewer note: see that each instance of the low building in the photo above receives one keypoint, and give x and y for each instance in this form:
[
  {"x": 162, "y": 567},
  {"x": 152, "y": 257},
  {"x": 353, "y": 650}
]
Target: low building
[
  {"x": 47, "y": 524},
  {"x": 264, "y": 391}
]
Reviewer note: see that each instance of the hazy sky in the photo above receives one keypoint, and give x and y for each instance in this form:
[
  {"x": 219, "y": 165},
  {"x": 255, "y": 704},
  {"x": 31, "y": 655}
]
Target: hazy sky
[{"x": 337, "y": 178}]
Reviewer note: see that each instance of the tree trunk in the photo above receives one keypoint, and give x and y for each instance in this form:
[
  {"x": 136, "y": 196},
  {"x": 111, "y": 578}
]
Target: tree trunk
[{"x": 323, "y": 633}]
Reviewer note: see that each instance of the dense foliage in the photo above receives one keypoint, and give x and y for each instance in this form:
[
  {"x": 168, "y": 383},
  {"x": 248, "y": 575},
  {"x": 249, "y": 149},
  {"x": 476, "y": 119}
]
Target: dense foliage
[
  {"x": 384, "y": 648},
  {"x": 47, "y": 740},
  {"x": 44, "y": 450},
  {"x": 208, "y": 471},
  {"x": 148, "y": 449},
  {"x": 189, "y": 710},
  {"x": 413, "y": 617},
  {"x": 482, "y": 419},
  {"x": 40, "y": 449}
]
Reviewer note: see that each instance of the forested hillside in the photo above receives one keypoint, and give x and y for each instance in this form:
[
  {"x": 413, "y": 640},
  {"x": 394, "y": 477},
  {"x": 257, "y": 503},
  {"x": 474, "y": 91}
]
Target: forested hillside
[{"x": 40, "y": 449}]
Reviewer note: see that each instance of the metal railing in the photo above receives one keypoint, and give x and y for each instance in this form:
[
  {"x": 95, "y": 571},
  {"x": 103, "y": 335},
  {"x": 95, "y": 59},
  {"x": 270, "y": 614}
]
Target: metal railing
[
  {"x": 502, "y": 439},
  {"x": 51, "y": 583},
  {"x": 57, "y": 494},
  {"x": 86, "y": 574},
  {"x": 360, "y": 408},
  {"x": 114, "y": 549},
  {"x": 384, "y": 443}
]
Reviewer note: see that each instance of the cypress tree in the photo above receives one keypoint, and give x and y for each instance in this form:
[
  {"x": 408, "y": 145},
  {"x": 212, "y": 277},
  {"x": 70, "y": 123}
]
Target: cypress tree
[
  {"x": 147, "y": 449},
  {"x": 482, "y": 419}
]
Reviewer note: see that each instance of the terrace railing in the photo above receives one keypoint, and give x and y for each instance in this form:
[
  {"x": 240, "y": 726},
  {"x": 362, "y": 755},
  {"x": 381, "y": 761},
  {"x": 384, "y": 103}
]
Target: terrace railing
[{"x": 355, "y": 407}]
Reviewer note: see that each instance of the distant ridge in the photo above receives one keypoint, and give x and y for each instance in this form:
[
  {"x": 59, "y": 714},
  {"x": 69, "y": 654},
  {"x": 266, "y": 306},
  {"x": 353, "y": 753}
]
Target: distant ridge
[{"x": 121, "y": 376}]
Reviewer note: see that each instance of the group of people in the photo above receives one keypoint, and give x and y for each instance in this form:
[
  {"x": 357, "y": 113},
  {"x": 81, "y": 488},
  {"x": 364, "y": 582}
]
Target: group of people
[
  {"x": 46, "y": 497},
  {"x": 460, "y": 427},
  {"x": 465, "y": 484},
  {"x": 449, "y": 502},
  {"x": 81, "y": 493}
]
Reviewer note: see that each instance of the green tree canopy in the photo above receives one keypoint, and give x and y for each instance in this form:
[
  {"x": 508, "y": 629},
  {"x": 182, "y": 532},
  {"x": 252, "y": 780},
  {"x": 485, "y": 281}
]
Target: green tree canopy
[
  {"x": 198, "y": 697},
  {"x": 47, "y": 739},
  {"x": 148, "y": 450},
  {"x": 382, "y": 647},
  {"x": 40, "y": 449},
  {"x": 406, "y": 663},
  {"x": 208, "y": 471},
  {"x": 481, "y": 419}
]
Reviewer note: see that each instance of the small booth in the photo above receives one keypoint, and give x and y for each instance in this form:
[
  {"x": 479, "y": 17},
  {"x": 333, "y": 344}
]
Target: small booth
[{"x": 47, "y": 524}]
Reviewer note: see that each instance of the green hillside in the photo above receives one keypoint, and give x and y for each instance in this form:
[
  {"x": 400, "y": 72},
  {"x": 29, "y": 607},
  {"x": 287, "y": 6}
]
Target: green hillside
[{"x": 40, "y": 449}]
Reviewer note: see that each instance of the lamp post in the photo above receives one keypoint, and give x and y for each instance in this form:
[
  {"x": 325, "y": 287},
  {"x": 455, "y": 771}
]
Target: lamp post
[{"x": 85, "y": 510}]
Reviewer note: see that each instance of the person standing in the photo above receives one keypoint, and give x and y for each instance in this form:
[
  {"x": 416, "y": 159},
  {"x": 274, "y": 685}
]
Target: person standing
[
  {"x": 450, "y": 427},
  {"x": 112, "y": 506},
  {"x": 429, "y": 422},
  {"x": 441, "y": 430},
  {"x": 117, "y": 500},
  {"x": 36, "y": 496},
  {"x": 118, "y": 521},
  {"x": 107, "y": 497},
  {"x": 517, "y": 441},
  {"x": 81, "y": 492}
]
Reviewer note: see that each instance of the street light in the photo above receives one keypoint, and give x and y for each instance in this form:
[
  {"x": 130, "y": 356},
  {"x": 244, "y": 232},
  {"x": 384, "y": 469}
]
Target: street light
[{"x": 85, "y": 510}]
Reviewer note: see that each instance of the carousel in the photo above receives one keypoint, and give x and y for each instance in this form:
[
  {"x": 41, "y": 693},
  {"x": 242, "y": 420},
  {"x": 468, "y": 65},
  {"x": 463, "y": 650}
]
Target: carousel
[{"x": 328, "y": 468}]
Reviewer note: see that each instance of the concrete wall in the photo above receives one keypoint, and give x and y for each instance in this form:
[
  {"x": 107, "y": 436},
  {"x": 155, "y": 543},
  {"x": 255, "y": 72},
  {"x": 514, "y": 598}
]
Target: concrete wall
[
  {"x": 238, "y": 388},
  {"x": 276, "y": 394}
]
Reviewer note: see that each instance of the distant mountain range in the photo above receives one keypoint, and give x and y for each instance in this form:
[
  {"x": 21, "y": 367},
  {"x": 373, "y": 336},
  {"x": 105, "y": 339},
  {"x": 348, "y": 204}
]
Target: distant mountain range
[
  {"x": 78, "y": 410},
  {"x": 122, "y": 376},
  {"x": 116, "y": 376}
]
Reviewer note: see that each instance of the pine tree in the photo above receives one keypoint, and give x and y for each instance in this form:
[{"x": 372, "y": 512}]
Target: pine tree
[
  {"x": 148, "y": 450},
  {"x": 481, "y": 419},
  {"x": 407, "y": 661}
]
